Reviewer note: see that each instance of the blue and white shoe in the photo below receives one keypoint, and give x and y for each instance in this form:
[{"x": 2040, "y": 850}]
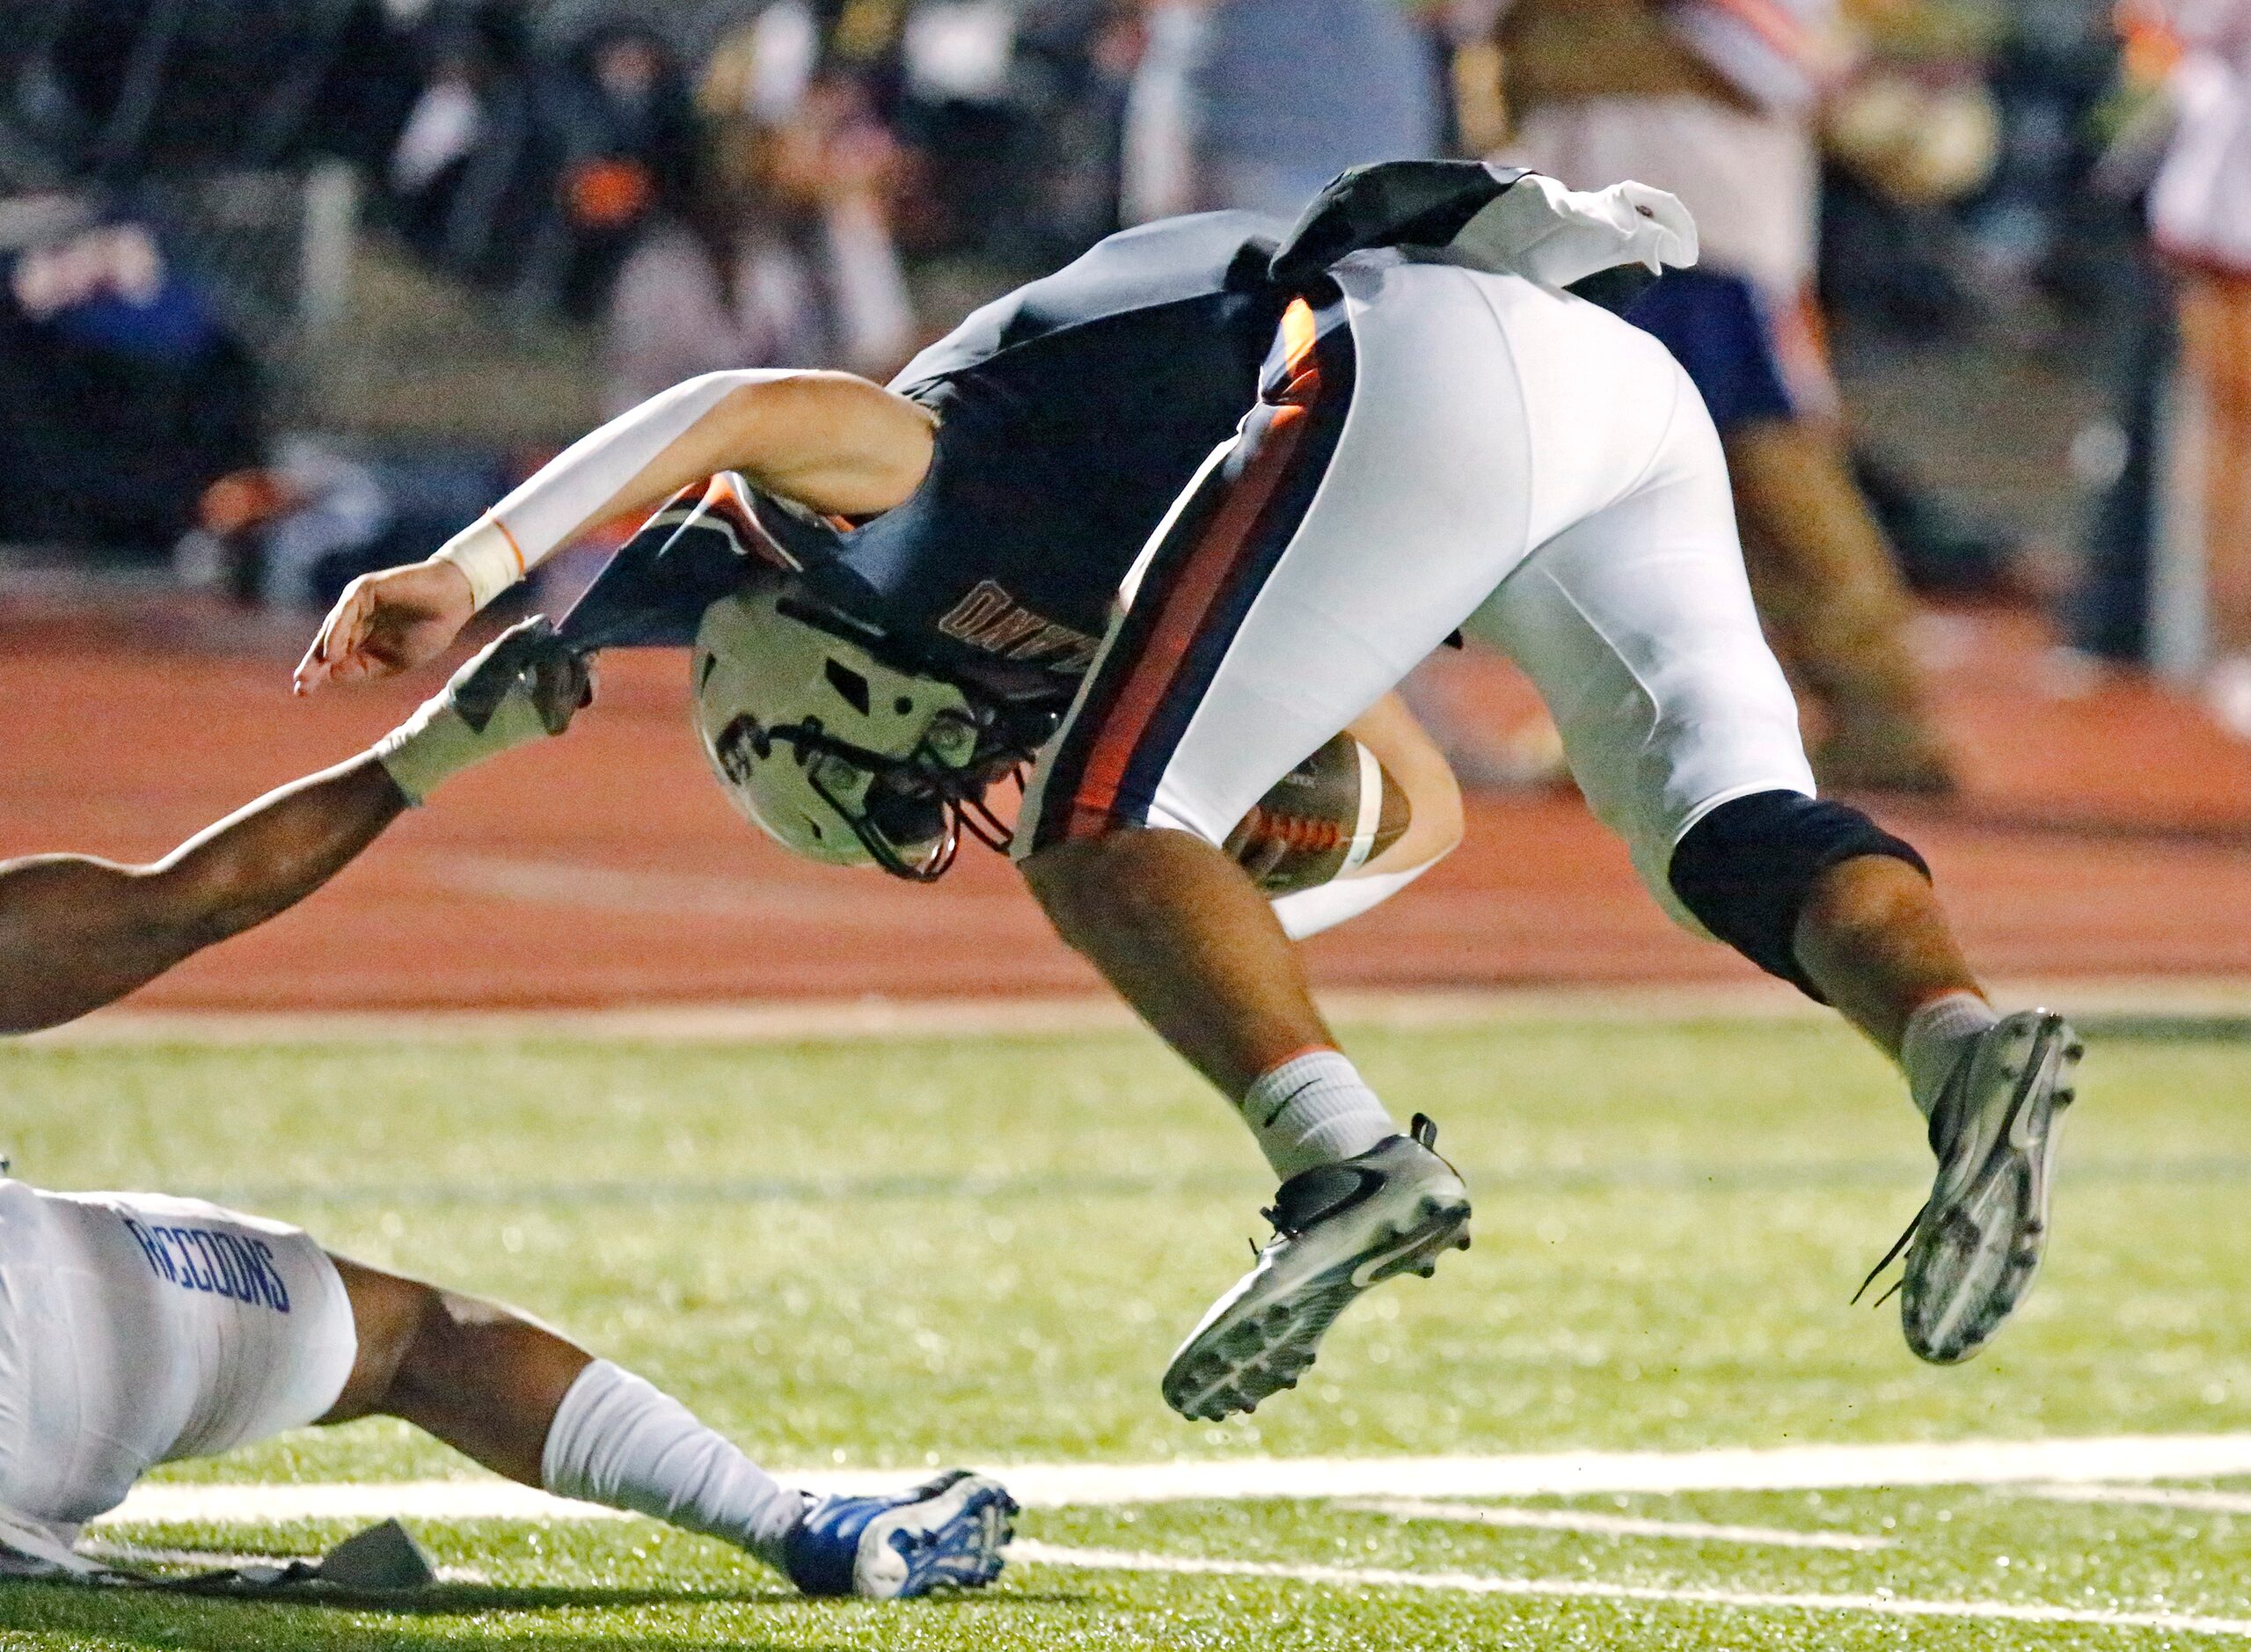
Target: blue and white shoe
[{"x": 947, "y": 1533}]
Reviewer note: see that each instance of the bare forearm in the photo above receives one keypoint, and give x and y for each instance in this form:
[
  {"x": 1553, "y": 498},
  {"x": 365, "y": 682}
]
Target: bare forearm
[
  {"x": 78, "y": 932},
  {"x": 1434, "y": 800},
  {"x": 1434, "y": 796},
  {"x": 264, "y": 859}
]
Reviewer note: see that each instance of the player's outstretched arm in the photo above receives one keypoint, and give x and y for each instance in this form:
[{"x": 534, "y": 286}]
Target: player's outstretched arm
[
  {"x": 78, "y": 932},
  {"x": 828, "y": 441}
]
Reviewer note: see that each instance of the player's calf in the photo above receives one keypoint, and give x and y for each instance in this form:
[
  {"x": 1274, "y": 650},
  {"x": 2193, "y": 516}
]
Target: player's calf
[
  {"x": 525, "y": 1402},
  {"x": 1817, "y": 893}
]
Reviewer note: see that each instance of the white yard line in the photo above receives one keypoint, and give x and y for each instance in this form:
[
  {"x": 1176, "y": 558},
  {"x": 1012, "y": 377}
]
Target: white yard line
[
  {"x": 919, "y": 1017},
  {"x": 2127, "y": 1459},
  {"x": 255, "y": 1505},
  {"x": 1572, "y": 1589},
  {"x": 2170, "y": 1497},
  {"x": 1612, "y": 1524}
]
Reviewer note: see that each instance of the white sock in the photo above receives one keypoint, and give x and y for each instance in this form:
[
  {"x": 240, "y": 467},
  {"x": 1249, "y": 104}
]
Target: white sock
[
  {"x": 620, "y": 1441},
  {"x": 1314, "y": 1109},
  {"x": 1936, "y": 1037}
]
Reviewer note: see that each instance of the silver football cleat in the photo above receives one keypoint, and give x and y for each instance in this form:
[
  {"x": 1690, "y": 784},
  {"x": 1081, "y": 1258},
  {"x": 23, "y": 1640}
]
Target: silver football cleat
[
  {"x": 1338, "y": 1230},
  {"x": 1974, "y": 1250}
]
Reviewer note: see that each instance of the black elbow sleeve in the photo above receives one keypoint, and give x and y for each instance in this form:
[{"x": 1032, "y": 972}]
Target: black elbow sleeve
[{"x": 1747, "y": 868}]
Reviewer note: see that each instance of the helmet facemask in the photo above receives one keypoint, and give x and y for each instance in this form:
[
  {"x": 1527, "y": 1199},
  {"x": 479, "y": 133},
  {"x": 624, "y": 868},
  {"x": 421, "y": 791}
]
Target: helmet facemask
[
  {"x": 836, "y": 753},
  {"x": 909, "y": 813}
]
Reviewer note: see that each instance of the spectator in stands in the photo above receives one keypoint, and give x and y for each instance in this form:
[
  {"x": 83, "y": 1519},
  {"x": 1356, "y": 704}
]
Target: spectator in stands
[
  {"x": 1256, "y": 104},
  {"x": 536, "y": 174},
  {"x": 1076, "y": 60},
  {"x": 127, "y": 393},
  {"x": 621, "y": 123},
  {"x": 1713, "y": 100},
  {"x": 782, "y": 257},
  {"x": 2200, "y": 213},
  {"x": 460, "y": 184}
]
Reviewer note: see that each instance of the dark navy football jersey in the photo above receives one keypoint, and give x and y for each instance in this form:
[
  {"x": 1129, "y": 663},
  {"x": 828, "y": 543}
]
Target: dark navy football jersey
[{"x": 1071, "y": 414}]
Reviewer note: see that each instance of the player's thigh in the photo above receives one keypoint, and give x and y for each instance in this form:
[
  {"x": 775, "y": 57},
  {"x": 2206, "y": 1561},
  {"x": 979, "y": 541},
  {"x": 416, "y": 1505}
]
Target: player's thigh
[
  {"x": 259, "y": 1320},
  {"x": 1369, "y": 502},
  {"x": 1637, "y": 626}
]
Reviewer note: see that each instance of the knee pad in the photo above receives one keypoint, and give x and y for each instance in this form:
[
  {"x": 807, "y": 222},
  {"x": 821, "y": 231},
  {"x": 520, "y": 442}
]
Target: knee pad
[{"x": 1746, "y": 868}]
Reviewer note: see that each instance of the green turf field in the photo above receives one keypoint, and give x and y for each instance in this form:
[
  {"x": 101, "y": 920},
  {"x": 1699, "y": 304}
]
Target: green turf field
[{"x": 983, "y": 1251}]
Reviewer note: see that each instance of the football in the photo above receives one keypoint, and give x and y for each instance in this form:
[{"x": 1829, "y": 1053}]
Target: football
[{"x": 1334, "y": 812}]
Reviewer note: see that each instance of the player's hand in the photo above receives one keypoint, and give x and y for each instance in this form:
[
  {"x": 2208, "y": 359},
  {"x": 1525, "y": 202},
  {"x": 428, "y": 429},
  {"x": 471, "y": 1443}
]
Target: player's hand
[
  {"x": 525, "y": 684},
  {"x": 386, "y": 623},
  {"x": 527, "y": 658}
]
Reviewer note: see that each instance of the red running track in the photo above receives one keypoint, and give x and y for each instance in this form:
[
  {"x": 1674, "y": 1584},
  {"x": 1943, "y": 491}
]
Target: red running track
[{"x": 2105, "y": 834}]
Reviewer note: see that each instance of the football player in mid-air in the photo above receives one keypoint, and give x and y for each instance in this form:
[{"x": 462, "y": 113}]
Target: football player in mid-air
[
  {"x": 1223, "y": 487},
  {"x": 137, "y": 1329}
]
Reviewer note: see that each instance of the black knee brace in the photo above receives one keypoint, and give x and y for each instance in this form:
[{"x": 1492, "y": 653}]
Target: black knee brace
[{"x": 1746, "y": 868}]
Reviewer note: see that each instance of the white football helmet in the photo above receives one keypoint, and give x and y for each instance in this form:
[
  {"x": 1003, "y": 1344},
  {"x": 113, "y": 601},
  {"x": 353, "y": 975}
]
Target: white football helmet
[{"x": 832, "y": 752}]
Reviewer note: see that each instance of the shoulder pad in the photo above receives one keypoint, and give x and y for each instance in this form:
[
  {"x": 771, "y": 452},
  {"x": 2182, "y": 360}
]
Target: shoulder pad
[{"x": 1389, "y": 203}]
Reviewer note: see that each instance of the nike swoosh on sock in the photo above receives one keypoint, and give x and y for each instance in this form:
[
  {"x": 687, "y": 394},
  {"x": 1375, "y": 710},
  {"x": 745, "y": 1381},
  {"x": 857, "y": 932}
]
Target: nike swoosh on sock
[{"x": 1282, "y": 1105}]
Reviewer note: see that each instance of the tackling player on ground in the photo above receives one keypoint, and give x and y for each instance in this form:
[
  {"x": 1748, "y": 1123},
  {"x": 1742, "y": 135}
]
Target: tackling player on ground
[
  {"x": 1304, "y": 463},
  {"x": 137, "y": 1329}
]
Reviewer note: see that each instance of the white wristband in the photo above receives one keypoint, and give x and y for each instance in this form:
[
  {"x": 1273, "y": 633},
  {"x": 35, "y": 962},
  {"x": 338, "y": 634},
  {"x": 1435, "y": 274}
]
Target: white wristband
[
  {"x": 1306, "y": 912},
  {"x": 487, "y": 554}
]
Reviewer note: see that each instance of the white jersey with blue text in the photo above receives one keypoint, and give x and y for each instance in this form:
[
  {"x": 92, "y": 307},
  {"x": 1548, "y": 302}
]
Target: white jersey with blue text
[{"x": 136, "y": 1328}]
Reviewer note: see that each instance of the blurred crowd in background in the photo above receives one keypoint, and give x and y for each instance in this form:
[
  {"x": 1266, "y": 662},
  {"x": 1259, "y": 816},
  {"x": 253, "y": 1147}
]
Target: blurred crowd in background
[{"x": 707, "y": 184}]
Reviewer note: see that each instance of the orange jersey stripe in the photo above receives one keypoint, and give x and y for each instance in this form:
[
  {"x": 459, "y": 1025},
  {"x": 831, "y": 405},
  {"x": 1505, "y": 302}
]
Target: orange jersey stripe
[
  {"x": 1187, "y": 602},
  {"x": 1300, "y": 333}
]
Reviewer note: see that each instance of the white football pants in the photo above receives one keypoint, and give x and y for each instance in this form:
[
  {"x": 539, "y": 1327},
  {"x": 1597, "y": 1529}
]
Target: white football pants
[
  {"x": 1438, "y": 448},
  {"x": 136, "y": 1328}
]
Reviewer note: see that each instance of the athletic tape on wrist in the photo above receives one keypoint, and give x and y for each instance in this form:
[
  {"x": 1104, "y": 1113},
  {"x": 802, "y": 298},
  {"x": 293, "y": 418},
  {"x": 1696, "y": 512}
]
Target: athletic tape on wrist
[{"x": 487, "y": 556}]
